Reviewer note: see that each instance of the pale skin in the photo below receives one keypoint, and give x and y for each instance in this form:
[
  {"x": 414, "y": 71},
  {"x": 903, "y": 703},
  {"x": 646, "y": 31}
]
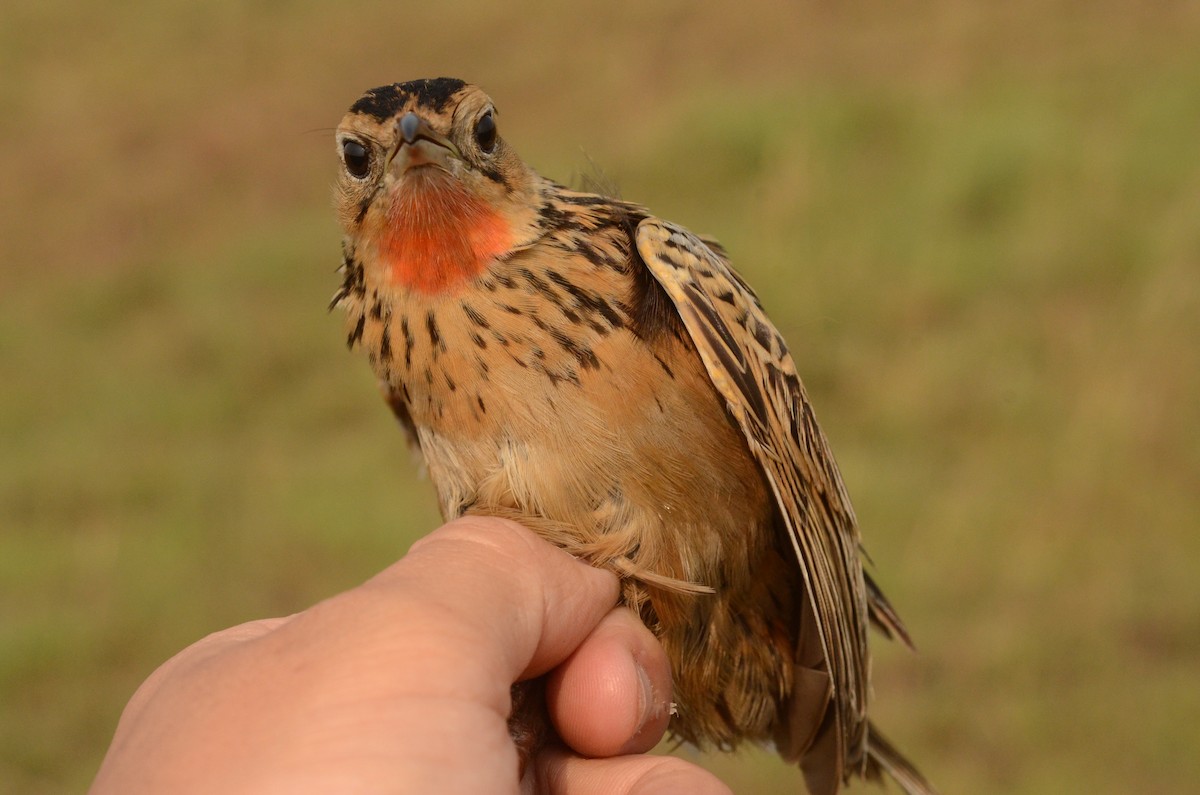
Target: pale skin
[{"x": 402, "y": 685}]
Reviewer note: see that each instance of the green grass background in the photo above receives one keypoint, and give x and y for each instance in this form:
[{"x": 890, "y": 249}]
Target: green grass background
[{"x": 977, "y": 224}]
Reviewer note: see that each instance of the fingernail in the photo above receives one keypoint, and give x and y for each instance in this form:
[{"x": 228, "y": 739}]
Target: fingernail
[
  {"x": 647, "y": 703},
  {"x": 646, "y": 709}
]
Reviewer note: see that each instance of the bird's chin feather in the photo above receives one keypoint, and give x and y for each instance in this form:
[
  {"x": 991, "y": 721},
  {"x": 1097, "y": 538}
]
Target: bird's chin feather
[{"x": 436, "y": 235}]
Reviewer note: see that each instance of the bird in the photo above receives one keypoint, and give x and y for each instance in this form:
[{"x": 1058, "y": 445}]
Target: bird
[{"x": 571, "y": 361}]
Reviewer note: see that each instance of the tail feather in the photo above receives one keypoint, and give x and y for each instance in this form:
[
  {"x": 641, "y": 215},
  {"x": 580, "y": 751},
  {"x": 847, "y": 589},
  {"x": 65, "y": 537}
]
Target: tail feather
[{"x": 882, "y": 756}]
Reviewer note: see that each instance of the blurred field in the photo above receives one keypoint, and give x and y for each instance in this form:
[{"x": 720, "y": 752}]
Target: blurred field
[{"x": 978, "y": 226}]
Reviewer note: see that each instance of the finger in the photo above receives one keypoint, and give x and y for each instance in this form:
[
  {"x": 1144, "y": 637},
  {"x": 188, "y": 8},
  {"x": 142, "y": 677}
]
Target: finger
[
  {"x": 482, "y": 596},
  {"x": 534, "y": 601},
  {"x": 613, "y": 695},
  {"x": 563, "y": 773}
]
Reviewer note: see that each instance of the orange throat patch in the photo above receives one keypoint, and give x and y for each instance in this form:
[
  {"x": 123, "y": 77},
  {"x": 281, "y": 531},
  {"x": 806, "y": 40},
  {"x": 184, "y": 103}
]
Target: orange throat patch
[{"x": 437, "y": 235}]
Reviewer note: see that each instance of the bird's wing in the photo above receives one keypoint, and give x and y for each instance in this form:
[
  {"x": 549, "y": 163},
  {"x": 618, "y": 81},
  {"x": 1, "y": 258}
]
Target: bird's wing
[{"x": 751, "y": 368}]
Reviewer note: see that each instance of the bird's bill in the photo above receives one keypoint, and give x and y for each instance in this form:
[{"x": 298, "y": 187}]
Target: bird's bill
[{"x": 418, "y": 144}]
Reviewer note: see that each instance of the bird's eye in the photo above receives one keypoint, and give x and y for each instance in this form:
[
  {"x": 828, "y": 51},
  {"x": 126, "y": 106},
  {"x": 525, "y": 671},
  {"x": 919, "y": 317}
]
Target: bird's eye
[
  {"x": 485, "y": 133},
  {"x": 357, "y": 158}
]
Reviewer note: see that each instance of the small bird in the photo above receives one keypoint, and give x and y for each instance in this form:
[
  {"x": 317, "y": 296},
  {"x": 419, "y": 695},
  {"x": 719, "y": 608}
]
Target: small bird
[{"x": 568, "y": 360}]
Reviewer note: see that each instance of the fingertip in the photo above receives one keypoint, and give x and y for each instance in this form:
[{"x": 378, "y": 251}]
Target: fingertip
[
  {"x": 612, "y": 696},
  {"x": 599, "y": 701}
]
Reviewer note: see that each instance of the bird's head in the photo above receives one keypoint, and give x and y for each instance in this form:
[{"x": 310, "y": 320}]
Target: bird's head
[{"x": 428, "y": 193}]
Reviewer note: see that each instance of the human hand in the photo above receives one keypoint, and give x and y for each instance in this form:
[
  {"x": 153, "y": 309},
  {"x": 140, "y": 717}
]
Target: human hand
[{"x": 402, "y": 685}]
